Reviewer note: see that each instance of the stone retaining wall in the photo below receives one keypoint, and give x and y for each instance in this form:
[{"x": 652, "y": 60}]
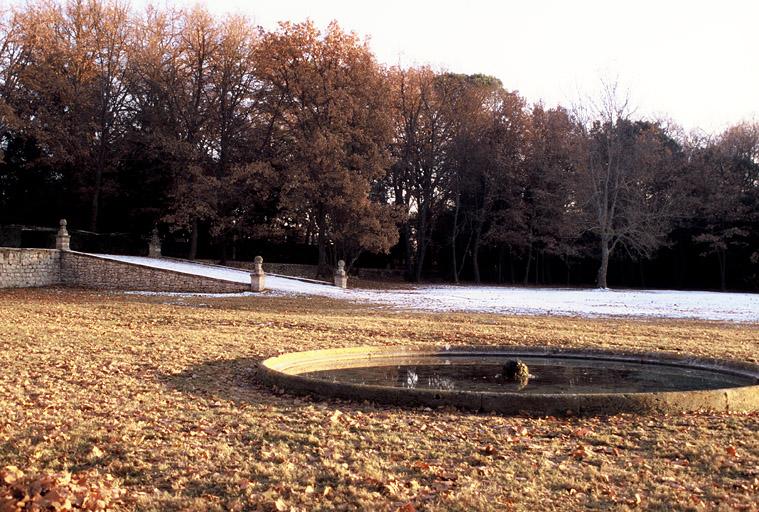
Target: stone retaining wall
[
  {"x": 25, "y": 268},
  {"x": 87, "y": 271},
  {"x": 284, "y": 269}
]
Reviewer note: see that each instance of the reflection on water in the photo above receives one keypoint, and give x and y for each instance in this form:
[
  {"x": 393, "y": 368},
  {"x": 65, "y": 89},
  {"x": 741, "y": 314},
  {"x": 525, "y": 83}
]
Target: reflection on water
[
  {"x": 547, "y": 375},
  {"x": 411, "y": 379},
  {"x": 438, "y": 382}
]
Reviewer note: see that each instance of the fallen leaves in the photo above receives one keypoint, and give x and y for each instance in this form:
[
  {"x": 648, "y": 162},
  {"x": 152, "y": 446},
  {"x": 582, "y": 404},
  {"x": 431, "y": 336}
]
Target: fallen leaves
[
  {"x": 420, "y": 465},
  {"x": 581, "y": 451},
  {"x": 335, "y": 418},
  {"x": 88, "y": 490},
  {"x": 488, "y": 449},
  {"x": 165, "y": 398},
  {"x": 10, "y": 474},
  {"x": 582, "y": 432}
]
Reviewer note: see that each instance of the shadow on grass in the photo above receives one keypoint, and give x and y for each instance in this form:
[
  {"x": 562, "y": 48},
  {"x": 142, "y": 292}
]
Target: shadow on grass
[
  {"x": 237, "y": 381},
  {"x": 223, "y": 379}
]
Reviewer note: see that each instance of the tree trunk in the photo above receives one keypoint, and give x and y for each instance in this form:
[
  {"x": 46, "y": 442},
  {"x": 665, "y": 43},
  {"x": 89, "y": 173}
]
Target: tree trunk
[
  {"x": 511, "y": 266},
  {"x": 421, "y": 253},
  {"x": 604, "y": 268},
  {"x": 642, "y": 274},
  {"x": 500, "y": 264},
  {"x": 476, "y": 251},
  {"x": 722, "y": 257},
  {"x": 401, "y": 201},
  {"x": 526, "y": 279},
  {"x": 309, "y": 231},
  {"x": 408, "y": 254},
  {"x": 194, "y": 240},
  {"x": 454, "y": 233},
  {"x": 421, "y": 243},
  {"x": 321, "y": 269},
  {"x": 476, "y": 260},
  {"x": 223, "y": 258},
  {"x": 95, "y": 207}
]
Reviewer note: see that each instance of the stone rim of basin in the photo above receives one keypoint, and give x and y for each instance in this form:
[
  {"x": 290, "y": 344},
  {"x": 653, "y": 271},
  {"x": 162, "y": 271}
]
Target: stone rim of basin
[{"x": 285, "y": 372}]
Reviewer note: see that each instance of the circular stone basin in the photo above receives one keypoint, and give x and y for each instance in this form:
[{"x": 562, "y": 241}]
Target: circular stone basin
[{"x": 561, "y": 381}]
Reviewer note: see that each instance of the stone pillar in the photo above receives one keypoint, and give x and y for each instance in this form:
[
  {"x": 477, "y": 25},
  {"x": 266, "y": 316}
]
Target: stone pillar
[
  {"x": 62, "y": 239},
  {"x": 341, "y": 278},
  {"x": 154, "y": 248},
  {"x": 257, "y": 277}
]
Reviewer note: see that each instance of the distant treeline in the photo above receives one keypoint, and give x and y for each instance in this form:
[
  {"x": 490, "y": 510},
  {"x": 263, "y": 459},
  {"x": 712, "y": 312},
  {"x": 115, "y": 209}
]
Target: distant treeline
[{"x": 240, "y": 141}]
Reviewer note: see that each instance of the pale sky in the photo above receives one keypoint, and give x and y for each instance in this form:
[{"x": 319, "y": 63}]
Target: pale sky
[{"x": 696, "y": 62}]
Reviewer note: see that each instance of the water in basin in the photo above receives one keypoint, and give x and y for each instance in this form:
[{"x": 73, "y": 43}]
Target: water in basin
[{"x": 547, "y": 375}]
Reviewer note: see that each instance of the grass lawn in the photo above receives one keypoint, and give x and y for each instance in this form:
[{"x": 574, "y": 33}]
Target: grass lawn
[{"x": 161, "y": 393}]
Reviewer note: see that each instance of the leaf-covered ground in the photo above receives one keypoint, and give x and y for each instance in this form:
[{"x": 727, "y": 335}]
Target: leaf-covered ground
[{"x": 161, "y": 394}]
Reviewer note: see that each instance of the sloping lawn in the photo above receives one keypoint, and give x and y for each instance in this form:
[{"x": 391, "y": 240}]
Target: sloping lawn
[{"x": 161, "y": 394}]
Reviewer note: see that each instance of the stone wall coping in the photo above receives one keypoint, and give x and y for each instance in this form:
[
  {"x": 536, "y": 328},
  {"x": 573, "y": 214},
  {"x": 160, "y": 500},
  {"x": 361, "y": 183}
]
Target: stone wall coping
[{"x": 27, "y": 249}]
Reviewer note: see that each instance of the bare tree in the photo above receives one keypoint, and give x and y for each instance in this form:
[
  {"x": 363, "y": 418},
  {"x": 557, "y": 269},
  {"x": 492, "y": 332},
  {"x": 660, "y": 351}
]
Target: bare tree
[{"x": 623, "y": 179}]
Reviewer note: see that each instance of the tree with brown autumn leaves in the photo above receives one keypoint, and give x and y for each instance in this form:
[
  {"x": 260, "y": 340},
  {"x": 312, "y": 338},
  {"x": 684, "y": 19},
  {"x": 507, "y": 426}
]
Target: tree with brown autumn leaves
[{"x": 335, "y": 129}]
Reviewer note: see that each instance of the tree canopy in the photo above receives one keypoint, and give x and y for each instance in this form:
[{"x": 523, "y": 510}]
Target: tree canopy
[{"x": 233, "y": 139}]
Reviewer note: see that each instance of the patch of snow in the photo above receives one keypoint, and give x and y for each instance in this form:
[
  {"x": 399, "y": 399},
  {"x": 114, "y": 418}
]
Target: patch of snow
[{"x": 731, "y": 307}]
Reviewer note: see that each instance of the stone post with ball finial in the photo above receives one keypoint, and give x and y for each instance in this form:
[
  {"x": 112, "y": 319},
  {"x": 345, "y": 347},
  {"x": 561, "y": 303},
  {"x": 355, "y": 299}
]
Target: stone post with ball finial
[
  {"x": 258, "y": 277},
  {"x": 62, "y": 239},
  {"x": 154, "y": 247},
  {"x": 341, "y": 278}
]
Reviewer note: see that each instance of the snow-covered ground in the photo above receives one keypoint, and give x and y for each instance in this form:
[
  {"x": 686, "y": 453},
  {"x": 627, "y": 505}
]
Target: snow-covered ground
[
  {"x": 736, "y": 307},
  {"x": 733, "y": 307}
]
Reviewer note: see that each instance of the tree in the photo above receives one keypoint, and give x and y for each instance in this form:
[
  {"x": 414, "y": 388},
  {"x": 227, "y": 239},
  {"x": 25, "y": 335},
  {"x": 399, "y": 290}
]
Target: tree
[
  {"x": 489, "y": 151},
  {"x": 234, "y": 113},
  {"x": 723, "y": 191},
  {"x": 72, "y": 95},
  {"x": 625, "y": 177},
  {"x": 335, "y": 131},
  {"x": 173, "y": 88},
  {"x": 230, "y": 135},
  {"x": 547, "y": 187},
  {"x": 12, "y": 60},
  {"x": 421, "y": 170}
]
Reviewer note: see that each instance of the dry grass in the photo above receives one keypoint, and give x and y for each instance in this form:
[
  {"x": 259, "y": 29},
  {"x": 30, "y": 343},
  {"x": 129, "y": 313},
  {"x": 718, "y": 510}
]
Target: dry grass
[{"x": 161, "y": 393}]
